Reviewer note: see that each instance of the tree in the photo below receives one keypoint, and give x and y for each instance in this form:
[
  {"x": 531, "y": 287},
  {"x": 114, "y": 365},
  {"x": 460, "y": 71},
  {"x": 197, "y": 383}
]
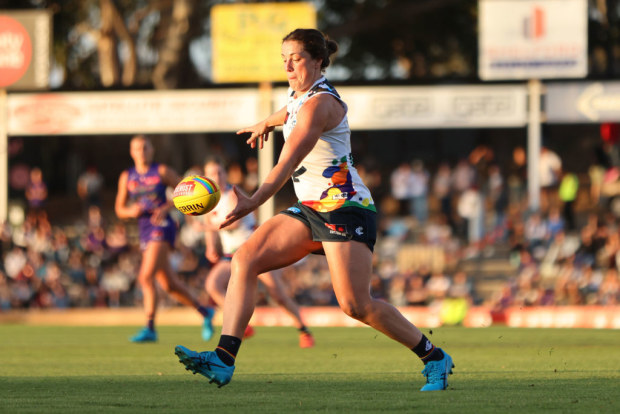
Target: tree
[
  {"x": 146, "y": 44},
  {"x": 401, "y": 39},
  {"x": 111, "y": 31}
]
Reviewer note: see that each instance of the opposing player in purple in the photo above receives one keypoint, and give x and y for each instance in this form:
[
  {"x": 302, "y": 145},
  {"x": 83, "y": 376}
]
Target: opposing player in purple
[{"x": 142, "y": 195}]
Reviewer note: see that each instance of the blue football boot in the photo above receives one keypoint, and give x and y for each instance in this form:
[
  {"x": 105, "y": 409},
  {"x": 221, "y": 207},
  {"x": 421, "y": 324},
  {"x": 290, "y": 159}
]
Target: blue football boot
[
  {"x": 436, "y": 373},
  {"x": 144, "y": 335},
  {"x": 205, "y": 363},
  {"x": 207, "y": 325}
]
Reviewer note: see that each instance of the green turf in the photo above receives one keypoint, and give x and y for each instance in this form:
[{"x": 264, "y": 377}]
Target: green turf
[{"x": 351, "y": 370}]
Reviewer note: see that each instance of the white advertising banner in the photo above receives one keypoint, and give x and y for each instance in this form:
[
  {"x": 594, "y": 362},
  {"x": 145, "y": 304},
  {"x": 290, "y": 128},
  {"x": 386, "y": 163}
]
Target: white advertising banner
[
  {"x": 231, "y": 109},
  {"x": 410, "y": 107},
  {"x": 532, "y": 39},
  {"x": 132, "y": 112},
  {"x": 583, "y": 102}
]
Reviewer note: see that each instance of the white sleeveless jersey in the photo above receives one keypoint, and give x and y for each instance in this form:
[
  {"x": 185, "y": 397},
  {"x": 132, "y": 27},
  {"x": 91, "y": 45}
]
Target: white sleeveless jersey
[
  {"x": 232, "y": 239},
  {"x": 326, "y": 179}
]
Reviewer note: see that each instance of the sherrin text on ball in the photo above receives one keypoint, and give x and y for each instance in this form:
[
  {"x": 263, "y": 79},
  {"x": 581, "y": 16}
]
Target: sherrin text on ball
[{"x": 196, "y": 195}]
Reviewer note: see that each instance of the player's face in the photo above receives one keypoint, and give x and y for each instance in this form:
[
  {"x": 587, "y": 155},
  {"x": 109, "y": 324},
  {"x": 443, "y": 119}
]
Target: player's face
[
  {"x": 217, "y": 173},
  {"x": 301, "y": 69},
  {"x": 141, "y": 151}
]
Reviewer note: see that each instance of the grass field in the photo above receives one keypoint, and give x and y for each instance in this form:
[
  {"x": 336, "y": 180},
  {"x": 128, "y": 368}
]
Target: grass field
[{"x": 351, "y": 370}]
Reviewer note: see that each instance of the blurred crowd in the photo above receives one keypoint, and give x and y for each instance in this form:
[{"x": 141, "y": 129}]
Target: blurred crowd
[{"x": 432, "y": 219}]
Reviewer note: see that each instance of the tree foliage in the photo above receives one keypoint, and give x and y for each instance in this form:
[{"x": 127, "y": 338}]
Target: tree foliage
[{"x": 146, "y": 44}]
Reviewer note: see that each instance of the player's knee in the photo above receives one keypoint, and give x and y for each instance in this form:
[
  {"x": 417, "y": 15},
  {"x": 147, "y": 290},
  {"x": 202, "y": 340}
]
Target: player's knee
[
  {"x": 166, "y": 286},
  {"x": 145, "y": 279},
  {"x": 211, "y": 287},
  {"x": 243, "y": 261},
  {"x": 278, "y": 300},
  {"x": 355, "y": 309}
]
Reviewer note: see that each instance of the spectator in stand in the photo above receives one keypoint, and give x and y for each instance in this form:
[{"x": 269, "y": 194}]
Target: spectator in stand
[
  {"x": 89, "y": 186},
  {"x": 437, "y": 231},
  {"x": 461, "y": 287},
  {"x": 5, "y": 292},
  {"x": 550, "y": 170},
  {"x": 250, "y": 182},
  {"x": 438, "y": 286},
  {"x": 586, "y": 252},
  {"x": 417, "y": 292},
  {"x": 501, "y": 300},
  {"x": 607, "y": 255},
  {"x": 419, "y": 192},
  {"x": 116, "y": 240},
  {"x": 536, "y": 235},
  {"x": 36, "y": 191},
  {"x": 568, "y": 194},
  {"x": 14, "y": 262},
  {"x": 401, "y": 181},
  {"x": 481, "y": 159},
  {"x": 235, "y": 174},
  {"x": 589, "y": 284},
  {"x": 463, "y": 176},
  {"x": 471, "y": 209},
  {"x": 555, "y": 222},
  {"x": 517, "y": 177},
  {"x": 397, "y": 290},
  {"x": 442, "y": 191},
  {"x": 609, "y": 292},
  {"x": 498, "y": 197}
]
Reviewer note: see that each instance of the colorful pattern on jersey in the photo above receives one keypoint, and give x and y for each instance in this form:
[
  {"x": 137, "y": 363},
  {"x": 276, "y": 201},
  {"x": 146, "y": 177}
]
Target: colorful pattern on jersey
[
  {"x": 146, "y": 189},
  {"x": 327, "y": 179}
]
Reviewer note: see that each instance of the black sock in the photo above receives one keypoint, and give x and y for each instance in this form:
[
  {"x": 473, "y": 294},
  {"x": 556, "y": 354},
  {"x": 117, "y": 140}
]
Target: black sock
[
  {"x": 304, "y": 329},
  {"x": 204, "y": 311},
  {"x": 150, "y": 324},
  {"x": 426, "y": 351},
  {"x": 227, "y": 349}
]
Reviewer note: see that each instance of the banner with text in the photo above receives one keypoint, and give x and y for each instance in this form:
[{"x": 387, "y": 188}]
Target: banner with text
[
  {"x": 403, "y": 107},
  {"x": 25, "y": 44},
  {"x": 532, "y": 39},
  {"x": 247, "y": 39},
  {"x": 132, "y": 112},
  {"x": 582, "y": 102}
]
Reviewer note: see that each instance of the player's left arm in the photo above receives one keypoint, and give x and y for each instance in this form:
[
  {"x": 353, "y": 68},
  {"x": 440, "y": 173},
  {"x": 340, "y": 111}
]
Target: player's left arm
[{"x": 169, "y": 177}]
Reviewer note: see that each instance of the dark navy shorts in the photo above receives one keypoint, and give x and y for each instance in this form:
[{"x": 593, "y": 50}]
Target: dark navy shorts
[{"x": 343, "y": 224}]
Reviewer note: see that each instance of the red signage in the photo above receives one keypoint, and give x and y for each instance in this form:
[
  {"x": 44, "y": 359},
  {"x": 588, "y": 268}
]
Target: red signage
[{"x": 15, "y": 51}]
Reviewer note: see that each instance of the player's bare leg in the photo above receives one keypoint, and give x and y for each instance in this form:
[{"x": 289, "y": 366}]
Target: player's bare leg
[
  {"x": 277, "y": 291},
  {"x": 260, "y": 253},
  {"x": 146, "y": 278},
  {"x": 350, "y": 265}
]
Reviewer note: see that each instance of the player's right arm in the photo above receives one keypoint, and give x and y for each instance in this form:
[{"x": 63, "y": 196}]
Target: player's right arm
[
  {"x": 124, "y": 211},
  {"x": 262, "y": 129}
]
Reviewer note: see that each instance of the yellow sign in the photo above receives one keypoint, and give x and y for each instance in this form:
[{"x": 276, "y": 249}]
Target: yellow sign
[{"x": 246, "y": 39}]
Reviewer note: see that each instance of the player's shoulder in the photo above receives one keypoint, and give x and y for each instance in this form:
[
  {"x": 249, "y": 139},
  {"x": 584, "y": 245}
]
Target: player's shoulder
[{"x": 323, "y": 87}]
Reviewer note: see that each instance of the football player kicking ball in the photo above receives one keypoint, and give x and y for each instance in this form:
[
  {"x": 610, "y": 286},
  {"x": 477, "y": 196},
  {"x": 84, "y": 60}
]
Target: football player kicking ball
[
  {"x": 335, "y": 216},
  {"x": 221, "y": 244}
]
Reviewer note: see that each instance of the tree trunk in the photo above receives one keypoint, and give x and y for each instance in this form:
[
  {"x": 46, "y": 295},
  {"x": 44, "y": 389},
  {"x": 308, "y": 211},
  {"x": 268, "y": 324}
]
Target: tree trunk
[
  {"x": 173, "y": 50},
  {"x": 112, "y": 28},
  {"x": 106, "y": 46}
]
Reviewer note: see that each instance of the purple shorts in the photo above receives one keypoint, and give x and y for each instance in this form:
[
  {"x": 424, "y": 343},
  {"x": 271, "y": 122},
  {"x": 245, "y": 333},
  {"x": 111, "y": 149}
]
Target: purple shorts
[{"x": 148, "y": 232}]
